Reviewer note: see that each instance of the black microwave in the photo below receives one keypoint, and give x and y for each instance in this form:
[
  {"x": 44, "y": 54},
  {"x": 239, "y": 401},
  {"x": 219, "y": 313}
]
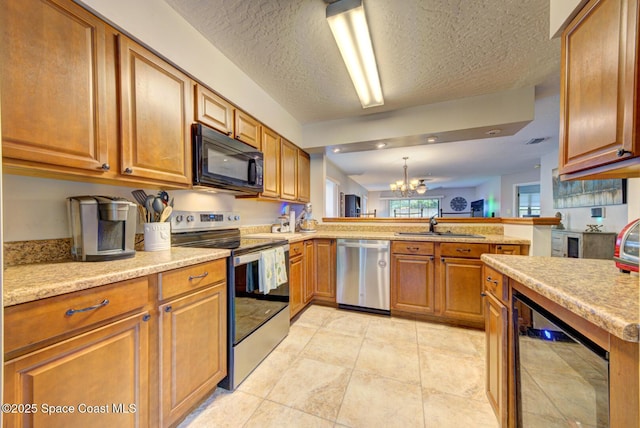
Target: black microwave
[{"x": 225, "y": 164}]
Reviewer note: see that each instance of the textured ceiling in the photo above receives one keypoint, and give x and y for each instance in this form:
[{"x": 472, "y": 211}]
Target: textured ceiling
[{"x": 427, "y": 50}]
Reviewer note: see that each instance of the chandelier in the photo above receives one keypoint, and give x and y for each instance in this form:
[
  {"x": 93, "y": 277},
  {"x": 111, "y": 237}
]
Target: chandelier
[{"x": 405, "y": 188}]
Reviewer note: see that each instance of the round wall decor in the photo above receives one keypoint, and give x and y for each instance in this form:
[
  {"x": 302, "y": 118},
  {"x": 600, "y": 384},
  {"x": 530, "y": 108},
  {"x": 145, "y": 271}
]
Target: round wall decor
[{"x": 458, "y": 203}]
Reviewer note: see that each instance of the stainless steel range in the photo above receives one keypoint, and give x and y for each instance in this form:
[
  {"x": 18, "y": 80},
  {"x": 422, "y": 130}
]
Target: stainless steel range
[{"x": 257, "y": 284}]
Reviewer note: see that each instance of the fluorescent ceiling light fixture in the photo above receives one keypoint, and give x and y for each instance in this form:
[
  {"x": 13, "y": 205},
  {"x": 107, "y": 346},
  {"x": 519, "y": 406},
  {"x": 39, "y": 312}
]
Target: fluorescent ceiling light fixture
[{"x": 349, "y": 27}]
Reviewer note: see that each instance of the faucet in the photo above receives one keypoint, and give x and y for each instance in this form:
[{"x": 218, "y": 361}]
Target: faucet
[{"x": 432, "y": 222}]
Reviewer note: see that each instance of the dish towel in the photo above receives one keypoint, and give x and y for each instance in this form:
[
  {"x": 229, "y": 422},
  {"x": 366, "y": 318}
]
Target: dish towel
[{"x": 273, "y": 271}]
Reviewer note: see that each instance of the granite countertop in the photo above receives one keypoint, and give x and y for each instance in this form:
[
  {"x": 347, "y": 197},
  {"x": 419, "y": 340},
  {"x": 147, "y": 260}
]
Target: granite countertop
[
  {"x": 25, "y": 283},
  {"x": 593, "y": 289},
  {"x": 391, "y": 236}
]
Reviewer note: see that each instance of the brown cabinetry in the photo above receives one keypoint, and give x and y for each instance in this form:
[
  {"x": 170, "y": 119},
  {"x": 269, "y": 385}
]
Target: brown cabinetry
[
  {"x": 296, "y": 278},
  {"x": 271, "y": 166},
  {"x": 247, "y": 129},
  {"x": 325, "y": 280},
  {"x": 192, "y": 336},
  {"x": 496, "y": 318},
  {"x": 54, "y": 87},
  {"x": 64, "y": 356},
  {"x": 598, "y": 101},
  {"x": 412, "y": 277},
  {"x": 304, "y": 177},
  {"x": 156, "y": 112},
  {"x": 309, "y": 270},
  {"x": 288, "y": 171},
  {"x": 213, "y": 110}
]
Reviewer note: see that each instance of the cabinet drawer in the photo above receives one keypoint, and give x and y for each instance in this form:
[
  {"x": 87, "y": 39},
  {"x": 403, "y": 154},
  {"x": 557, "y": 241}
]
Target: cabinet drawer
[
  {"x": 296, "y": 249},
  {"x": 412, "y": 247},
  {"x": 494, "y": 283},
  {"x": 463, "y": 249},
  {"x": 34, "y": 322},
  {"x": 184, "y": 280}
]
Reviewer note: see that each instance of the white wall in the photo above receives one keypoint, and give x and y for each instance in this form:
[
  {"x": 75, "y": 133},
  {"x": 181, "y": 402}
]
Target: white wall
[
  {"x": 616, "y": 216},
  {"x": 347, "y": 185},
  {"x": 508, "y": 190},
  {"x": 490, "y": 191}
]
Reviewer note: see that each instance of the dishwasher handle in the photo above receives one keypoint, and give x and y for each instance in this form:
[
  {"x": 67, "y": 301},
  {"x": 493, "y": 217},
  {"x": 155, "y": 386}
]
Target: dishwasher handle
[{"x": 381, "y": 245}]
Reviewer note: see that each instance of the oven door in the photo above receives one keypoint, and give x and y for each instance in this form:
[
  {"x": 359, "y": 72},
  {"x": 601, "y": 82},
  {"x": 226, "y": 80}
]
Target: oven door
[
  {"x": 253, "y": 306},
  {"x": 224, "y": 163}
]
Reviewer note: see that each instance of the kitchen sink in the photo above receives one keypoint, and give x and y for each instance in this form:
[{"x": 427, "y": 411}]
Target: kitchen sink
[{"x": 441, "y": 234}]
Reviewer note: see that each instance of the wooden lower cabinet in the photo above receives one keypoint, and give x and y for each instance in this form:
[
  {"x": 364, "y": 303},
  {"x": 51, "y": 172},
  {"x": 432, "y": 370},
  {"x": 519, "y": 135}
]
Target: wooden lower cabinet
[
  {"x": 309, "y": 271},
  {"x": 296, "y": 278},
  {"x": 460, "y": 288},
  {"x": 496, "y": 318},
  {"x": 97, "y": 379},
  {"x": 325, "y": 279},
  {"x": 412, "y": 277},
  {"x": 192, "y": 349}
]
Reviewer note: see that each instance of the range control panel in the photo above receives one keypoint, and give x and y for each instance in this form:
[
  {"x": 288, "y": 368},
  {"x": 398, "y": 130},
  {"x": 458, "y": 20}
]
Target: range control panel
[{"x": 186, "y": 221}]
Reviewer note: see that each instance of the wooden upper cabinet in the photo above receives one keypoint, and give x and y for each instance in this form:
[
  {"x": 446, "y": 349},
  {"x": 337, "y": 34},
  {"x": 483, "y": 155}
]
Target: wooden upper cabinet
[
  {"x": 53, "y": 84},
  {"x": 271, "y": 167},
  {"x": 247, "y": 129},
  {"x": 599, "y": 93},
  {"x": 288, "y": 171},
  {"x": 304, "y": 178},
  {"x": 156, "y": 112},
  {"x": 213, "y": 110}
]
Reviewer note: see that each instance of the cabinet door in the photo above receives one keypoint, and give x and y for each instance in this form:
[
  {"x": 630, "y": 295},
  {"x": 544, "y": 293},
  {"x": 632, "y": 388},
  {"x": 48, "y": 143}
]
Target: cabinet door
[
  {"x": 247, "y": 129},
  {"x": 412, "y": 283},
  {"x": 289, "y": 171},
  {"x": 155, "y": 113},
  {"x": 598, "y": 116},
  {"x": 496, "y": 356},
  {"x": 192, "y": 345},
  {"x": 325, "y": 283},
  {"x": 103, "y": 372},
  {"x": 271, "y": 171},
  {"x": 513, "y": 250},
  {"x": 53, "y": 85},
  {"x": 296, "y": 285},
  {"x": 304, "y": 178},
  {"x": 309, "y": 270},
  {"x": 214, "y": 111},
  {"x": 461, "y": 285}
]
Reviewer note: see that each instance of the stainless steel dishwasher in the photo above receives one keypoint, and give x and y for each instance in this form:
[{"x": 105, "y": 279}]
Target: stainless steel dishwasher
[{"x": 363, "y": 274}]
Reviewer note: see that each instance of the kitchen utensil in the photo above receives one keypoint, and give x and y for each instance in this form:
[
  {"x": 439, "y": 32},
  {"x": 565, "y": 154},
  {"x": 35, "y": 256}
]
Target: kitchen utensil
[
  {"x": 166, "y": 213},
  {"x": 140, "y": 196},
  {"x": 158, "y": 207},
  {"x": 164, "y": 196},
  {"x": 148, "y": 205}
]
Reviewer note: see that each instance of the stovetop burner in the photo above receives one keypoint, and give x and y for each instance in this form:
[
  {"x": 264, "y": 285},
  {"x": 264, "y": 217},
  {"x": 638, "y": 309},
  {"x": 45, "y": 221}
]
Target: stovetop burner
[{"x": 214, "y": 230}]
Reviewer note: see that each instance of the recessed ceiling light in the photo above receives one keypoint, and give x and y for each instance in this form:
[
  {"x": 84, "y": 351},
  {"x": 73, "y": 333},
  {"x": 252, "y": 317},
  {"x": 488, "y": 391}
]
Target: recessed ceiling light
[
  {"x": 432, "y": 139},
  {"x": 381, "y": 145},
  {"x": 336, "y": 150},
  {"x": 494, "y": 131}
]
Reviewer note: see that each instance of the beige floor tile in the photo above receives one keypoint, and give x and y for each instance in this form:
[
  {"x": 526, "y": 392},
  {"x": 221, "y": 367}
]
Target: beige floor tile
[
  {"x": 262, "y": 380},
  {"x": 451, "y": 372},
  {"x": 374, "y": 401},
  {"x": 443, "y": 410},
  {"x": 348, "y": 322},
  {"x": 275, "y": 415},
  {"x": 393, "y": 359},
  {"x": 223, "y": 409},
  {"x": 391, "y": 328},
  {"x": 333, "y": 348},
  {"x": 454, "y": 339},
  {"x": 298, "y": 337},
  {"x": 315, "y": 316},
  {"x": 313, "y": 387}
]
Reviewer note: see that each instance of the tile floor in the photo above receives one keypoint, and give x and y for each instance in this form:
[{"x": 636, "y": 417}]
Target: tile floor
[{"x": 341, "y": 368}]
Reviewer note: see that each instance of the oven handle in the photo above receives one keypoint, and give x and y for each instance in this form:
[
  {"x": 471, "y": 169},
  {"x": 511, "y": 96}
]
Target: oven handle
[{"x": 252, "y": 257}]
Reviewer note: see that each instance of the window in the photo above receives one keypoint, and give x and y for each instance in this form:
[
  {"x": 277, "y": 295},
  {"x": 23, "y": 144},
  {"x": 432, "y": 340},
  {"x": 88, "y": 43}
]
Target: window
[
  {"x": 414, "y": 207},
  {"x": 528, "y": 200}
]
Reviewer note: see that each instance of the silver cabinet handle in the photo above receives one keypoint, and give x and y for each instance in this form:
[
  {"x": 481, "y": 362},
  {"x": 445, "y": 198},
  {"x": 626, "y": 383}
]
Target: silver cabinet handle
[
  {"x": 495, "y": 281},
  {"x": 204, "y": 275},
  {"x": 70, "y": 312},
  {"x": 463, "y": 250},
  {"x": 128, "y": 170},
  {"x": 106, "y": 167}
]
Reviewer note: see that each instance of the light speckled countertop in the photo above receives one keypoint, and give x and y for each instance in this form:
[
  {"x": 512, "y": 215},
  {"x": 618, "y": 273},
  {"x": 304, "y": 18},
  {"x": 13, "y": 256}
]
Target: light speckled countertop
[
  {"x": 391, "y": 236},
  {"x": 593, "y": 289},
  {"x": 30, "y": 282}
]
